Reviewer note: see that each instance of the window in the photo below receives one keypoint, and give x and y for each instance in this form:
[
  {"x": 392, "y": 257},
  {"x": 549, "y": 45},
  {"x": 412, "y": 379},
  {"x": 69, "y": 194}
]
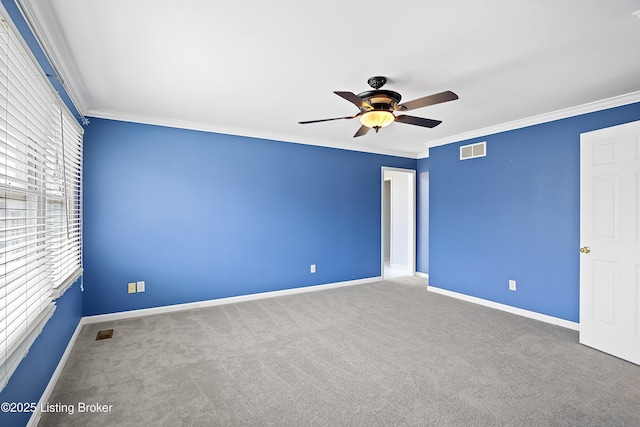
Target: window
[{"x": 40, "y": 199}]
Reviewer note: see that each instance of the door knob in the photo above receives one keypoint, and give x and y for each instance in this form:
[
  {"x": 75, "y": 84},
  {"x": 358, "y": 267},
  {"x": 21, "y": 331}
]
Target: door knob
[{"x": 585, "y": 249}]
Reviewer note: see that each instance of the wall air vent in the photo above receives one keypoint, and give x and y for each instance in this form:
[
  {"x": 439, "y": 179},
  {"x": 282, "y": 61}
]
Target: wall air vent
[{"x": 473, "y": 150}]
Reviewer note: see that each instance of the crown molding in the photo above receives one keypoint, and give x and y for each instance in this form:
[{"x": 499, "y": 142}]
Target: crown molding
[
  {"x": 250, "y": 133},
  {"x": 43, "y": 23},
  {"x": 41, "y": 19},
  {"x": 49, "y": 36},
  {"x": 616, "y": 101}
]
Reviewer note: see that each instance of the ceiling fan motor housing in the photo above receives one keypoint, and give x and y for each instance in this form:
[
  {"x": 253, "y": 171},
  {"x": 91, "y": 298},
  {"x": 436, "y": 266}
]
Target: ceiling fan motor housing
[{"x": 380, "y": 100}]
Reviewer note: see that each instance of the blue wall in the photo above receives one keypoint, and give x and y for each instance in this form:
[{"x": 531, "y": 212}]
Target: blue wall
[
  {"x": 200, "y": 215},
  {"x": 34, "y": 372},
  {"x": 514, "y": 214}
]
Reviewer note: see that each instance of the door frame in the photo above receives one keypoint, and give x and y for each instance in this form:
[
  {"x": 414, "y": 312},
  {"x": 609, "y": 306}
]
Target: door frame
[{"x": 411, "y": 211}]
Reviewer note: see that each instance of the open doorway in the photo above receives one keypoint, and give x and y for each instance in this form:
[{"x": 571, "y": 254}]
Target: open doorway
[{"x": 398, "y": 222}]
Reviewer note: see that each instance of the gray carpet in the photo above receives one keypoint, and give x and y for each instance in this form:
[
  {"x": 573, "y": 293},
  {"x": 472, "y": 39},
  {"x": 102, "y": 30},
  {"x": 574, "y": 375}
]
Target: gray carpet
[{"x": 382, "y": 354}]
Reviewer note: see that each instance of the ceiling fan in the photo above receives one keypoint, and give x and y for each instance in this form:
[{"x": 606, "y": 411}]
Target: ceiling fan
[{"x": 377, "y": 107}]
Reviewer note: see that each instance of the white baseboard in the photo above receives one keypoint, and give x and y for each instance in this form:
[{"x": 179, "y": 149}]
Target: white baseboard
[
  {"x": 35, "y": 416},
  {"x": 220, "y": 301},
  {"x": 514, "y": 310}
]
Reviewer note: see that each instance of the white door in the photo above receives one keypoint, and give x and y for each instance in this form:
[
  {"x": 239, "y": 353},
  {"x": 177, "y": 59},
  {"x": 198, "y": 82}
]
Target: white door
[{"x": 610, "y": 239}]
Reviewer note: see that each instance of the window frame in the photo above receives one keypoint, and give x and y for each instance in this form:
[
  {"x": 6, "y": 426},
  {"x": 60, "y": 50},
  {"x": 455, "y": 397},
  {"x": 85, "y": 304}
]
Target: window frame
[{"x": 40, "y": 198}]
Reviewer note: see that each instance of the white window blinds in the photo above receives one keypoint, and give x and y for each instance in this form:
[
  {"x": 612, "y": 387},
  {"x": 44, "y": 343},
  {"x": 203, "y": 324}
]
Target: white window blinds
[{"x": 40, "y": 200}]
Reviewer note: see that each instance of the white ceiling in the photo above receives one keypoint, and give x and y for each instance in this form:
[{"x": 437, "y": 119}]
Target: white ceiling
[{"x": 256, "y": 68}]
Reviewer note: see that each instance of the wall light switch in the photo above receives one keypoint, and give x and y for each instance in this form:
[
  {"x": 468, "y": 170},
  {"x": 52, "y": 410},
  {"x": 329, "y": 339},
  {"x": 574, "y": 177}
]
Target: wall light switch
[
  {"x": 140, "y": 286},
  {"x": 313, "y": 268},
  {"x": 132, "y": 288},
  {"x": 512, "y": 285}
]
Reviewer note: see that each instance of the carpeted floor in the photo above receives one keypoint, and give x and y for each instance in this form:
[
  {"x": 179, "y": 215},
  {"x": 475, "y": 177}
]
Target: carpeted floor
[{"x": 383, "y": 354}]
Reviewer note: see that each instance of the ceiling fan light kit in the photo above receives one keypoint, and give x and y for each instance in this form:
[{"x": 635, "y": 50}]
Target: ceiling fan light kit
[
  {"x": 377, "y": 119},
  {"x": 377, "y": 107}
]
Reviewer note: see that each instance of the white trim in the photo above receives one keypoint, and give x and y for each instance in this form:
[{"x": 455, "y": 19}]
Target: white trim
[
  {"x": 35, "y": 416},
  {"x": 60, "y": 290},
  {"x": 37, "y": 15},
  {"x": 220, "y": 301},
  {"x": 20, "y": 348},
  {"x": 383, "y": 219},
  {"x": 88, "y": 320},
  {"x": 413, "y": 239},
  {"x": 6, "y": 17},
  {"x": 513, "y": 310},
  {"x": 250, "y": 133},
  {"x": 616, "y": 101}
]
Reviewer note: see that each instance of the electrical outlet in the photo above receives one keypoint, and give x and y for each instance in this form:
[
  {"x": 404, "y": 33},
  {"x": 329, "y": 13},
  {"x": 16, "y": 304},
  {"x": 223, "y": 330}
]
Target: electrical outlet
[
  {"x": 512, "y": 285},
  {"x": 313, "y": 268},
  {"x": 132, "y": 288},
  {"x": 140, "y": 286}
]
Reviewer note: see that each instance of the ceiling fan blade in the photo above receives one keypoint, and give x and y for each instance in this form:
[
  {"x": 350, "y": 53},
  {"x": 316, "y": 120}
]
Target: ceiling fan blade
[
  {"x": 354, "y": 99},
  {"x": 362, "y": 131},
  {"x": 418, "y": 121},
  {"x": 328, "y": 120},
  {"x": 427, "y": 100}
]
